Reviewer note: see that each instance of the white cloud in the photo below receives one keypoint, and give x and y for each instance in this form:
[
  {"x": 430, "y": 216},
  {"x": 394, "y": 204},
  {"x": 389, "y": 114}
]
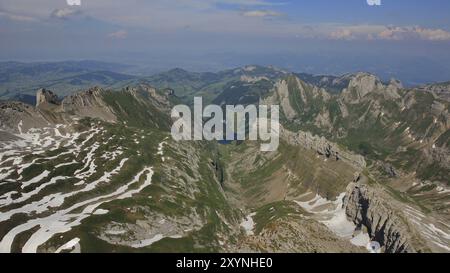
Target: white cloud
[
  {"x": 16, "y": 17},
  {"x": 120, "y": 34},
  {"x": 433, "y": 34},
  {"x": 261, "y": 13},
  {"x": 342, "y": 34},
  {"x": 393, "y": 33},
  {"x": 404, "y": 33},
  {"x": 208, "y": 16},
  {"x": 65, "y": 13}
]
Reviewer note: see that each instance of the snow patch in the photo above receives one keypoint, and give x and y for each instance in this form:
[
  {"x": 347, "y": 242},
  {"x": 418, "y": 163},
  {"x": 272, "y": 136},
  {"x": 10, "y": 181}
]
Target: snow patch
[
  {"x": 248, "y": 224},
  {"x": 69, "y": 245},
  {"x": 101, "y": 212}
]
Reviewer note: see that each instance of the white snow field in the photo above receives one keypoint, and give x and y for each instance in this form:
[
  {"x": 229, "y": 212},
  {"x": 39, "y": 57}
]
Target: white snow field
[
  {"x": 332, "y": 214},
  {"x": 248, "y": 224},
  {"x": 50, "y": 203}
]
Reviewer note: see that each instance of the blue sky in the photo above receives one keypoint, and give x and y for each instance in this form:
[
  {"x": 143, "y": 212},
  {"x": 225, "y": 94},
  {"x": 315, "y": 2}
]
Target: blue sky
[
  {"x": 432, "y": 13},
  {"x": 407, "y": 39}
]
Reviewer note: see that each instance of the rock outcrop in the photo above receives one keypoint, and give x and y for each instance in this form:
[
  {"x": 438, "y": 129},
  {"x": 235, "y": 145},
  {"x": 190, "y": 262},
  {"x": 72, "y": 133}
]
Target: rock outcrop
[
  {"x": 44, "y": 96},
  {"x": 159, "y": 99},
  {"x": 362, "y": 84},
  {"x": 89, "y": 103},
  {"x": 282, "y": 92},
  {"x": 365, "y": 208},
  {"x": 323, "y": 147},
  {"x": 389, "y": 170},
  {"x": 359, "y": 86},
  {"x": 441, "y": 90},
  {"x": 17, "y": 117}
]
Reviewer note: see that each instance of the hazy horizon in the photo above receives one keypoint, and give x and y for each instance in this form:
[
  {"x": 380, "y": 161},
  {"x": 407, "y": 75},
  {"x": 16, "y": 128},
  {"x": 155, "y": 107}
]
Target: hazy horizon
[{"x": 407, "y": 40}]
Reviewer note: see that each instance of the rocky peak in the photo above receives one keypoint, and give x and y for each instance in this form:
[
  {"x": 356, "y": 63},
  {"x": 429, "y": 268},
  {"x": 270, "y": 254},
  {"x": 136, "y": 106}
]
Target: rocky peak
[
  {"x": 360, "y": 85},
  {"x": 89, "y": 103},
  {"x": 169, "y": 92},
  {"x": 17, "y": 117},
  {"x": 441, "y": 90},
  {"x": 145, "y": 89},
  {"x": 392, "y": 89},
  {"x": 44, "y": 96},
  {"x": 396, "y": 83},
  {"x": 365, "y": 207},
  {"x": 95, "y": 90},
  {"x": 323, "y": 147},
  {"x": 83, "y": 98}
]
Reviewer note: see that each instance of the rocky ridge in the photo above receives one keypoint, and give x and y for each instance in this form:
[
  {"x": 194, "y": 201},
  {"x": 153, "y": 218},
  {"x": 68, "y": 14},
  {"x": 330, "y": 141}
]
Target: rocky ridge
[
  {"x": 366, "y": 209},
  {"x": 92, "y": 103},
  {"x": 323, "y": 147}
]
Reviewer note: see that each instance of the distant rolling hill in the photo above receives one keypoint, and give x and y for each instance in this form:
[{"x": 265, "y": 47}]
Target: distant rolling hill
[{"x": 21, "y": 80}]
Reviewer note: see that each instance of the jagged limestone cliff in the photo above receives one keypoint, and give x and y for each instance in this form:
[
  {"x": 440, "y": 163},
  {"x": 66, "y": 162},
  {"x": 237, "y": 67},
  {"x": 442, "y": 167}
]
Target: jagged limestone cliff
[{"x": 383, "y": 224}]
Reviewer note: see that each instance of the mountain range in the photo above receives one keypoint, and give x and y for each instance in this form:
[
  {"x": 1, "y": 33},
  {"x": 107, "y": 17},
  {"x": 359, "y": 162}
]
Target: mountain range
[{"x": 96, "y": 170}]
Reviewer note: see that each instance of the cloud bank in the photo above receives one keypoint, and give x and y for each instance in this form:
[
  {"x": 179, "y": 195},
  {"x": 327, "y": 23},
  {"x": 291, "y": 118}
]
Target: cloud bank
[{"x": 391, "y": 33}]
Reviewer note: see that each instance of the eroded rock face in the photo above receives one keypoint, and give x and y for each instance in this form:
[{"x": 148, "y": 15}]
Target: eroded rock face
[
  {"x": 88, "y": 103},
  {"x": 440, "y": 155},
  {"x": 365, "y": 208},
  {"x": 389, "y": 170},
  {"x": 359, "y": 86},
  {"x": 323, "y": 147},
  {"x": 283, "y": 94},
  {"x": 294, "y": 236},
  {"x": 442, "y": 90},
  {"x": 160, "y": 100},
  {"x": 17, "y": 117},
  {"x": 46, "y": 96}
]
